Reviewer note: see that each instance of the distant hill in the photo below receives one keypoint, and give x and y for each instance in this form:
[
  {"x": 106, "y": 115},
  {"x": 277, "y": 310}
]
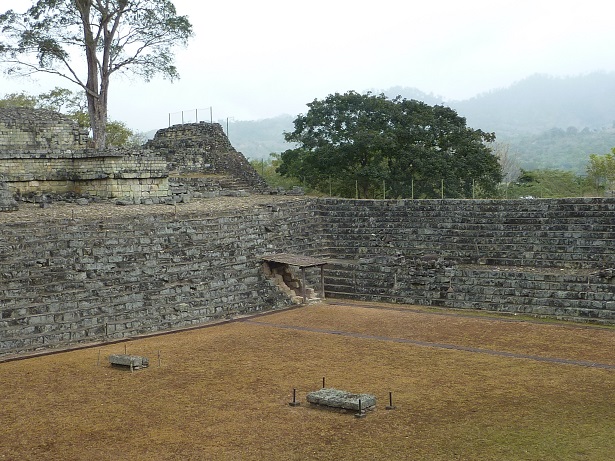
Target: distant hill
[
  {"x": 259, "y": 138},
  {"x": 541, "y": 102},
  {"x": 548, "y": 122}
]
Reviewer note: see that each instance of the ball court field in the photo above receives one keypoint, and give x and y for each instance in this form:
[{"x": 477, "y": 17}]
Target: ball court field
[{"x": 466, "y": 386}]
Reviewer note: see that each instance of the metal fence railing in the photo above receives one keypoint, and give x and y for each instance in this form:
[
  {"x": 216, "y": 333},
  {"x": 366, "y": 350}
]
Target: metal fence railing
[
  {"x": 437, "y": 189},
  {"x": 191, "y": 116}
]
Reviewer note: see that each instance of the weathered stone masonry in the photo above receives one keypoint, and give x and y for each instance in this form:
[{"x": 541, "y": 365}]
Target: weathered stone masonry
[
  {"x": 201, "y": 158},
  {"x": 38, "y": 131},
  {"x": 43, "y": 152},
  {"x": 543, "y": 257},
  {"x": 7, "y": 202},
  {"x": 73, "y": 280}
]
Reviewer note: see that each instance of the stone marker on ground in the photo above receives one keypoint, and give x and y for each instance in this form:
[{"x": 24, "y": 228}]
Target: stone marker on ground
[
  {"x": 133, "y": 361},
  {"x": 336, "y": 398}
]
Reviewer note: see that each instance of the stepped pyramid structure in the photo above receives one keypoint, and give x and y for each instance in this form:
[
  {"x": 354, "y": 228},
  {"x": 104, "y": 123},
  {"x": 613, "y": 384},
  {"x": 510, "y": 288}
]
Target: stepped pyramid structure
[{"x": 201, "y": 159}]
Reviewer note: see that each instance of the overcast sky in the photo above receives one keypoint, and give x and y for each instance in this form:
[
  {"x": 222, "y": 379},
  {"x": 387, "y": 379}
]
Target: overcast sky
[{"x": 257, "y": 59}]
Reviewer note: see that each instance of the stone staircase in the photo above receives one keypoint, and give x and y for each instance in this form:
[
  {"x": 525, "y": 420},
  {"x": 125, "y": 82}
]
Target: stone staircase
[{"x": 546, "y": 257}]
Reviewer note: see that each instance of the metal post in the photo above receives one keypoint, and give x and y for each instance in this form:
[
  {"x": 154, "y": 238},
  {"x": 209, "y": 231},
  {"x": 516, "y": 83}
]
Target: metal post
[
  {"x": 390, "y": 406},
  {"x": 384, "y": 190},
  {"x": 294, "y": 403},
  {"x": 442, "y": 189},
  {"x": 322, "y": 281},
  {"x": 182, "y": 117},
  {"x": 169, "y": 119},
  {"x": 360, "y": 414},
  {"x": 412, "y": 189},
  {"x": 211, "y": 114},
  {"x": 196, "y": 113},
  {"x": 303, "y": 287}
]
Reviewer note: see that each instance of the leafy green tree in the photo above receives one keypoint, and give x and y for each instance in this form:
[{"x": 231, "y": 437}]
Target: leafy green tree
[
  {"x": 601, "y": 170},
  {"x": 338, "y": 138},
  {"x": 63, "y": 100},
  {"x": 18, "y": 100},
  {"x": 118, "y": 134},
  {"x": 59, "y": 36},
  {"x": 548, "y": 183},
  {"x": 267, "y": 168},
  {"x": 360, "y": 142}
]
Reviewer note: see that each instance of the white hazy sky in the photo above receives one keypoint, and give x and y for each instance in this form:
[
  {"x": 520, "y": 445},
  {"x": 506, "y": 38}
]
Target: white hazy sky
[{"x": 257, "y": 59}]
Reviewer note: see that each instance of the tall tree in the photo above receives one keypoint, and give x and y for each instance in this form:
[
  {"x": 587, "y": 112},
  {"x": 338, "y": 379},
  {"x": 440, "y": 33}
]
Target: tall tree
[
  {"x": 339, "y": 138},
  {"x": 360, "y": 141},
  {"x": 87, "y": 41}
]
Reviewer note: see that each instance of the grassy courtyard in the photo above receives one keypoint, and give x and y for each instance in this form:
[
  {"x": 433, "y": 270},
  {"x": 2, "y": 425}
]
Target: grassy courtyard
[{"x": 466, "y": 387}]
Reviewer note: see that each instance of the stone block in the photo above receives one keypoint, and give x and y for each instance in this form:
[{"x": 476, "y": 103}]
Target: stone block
[
  {"x": 134, "y": 361},
  {"x": 335, "y": 398}
]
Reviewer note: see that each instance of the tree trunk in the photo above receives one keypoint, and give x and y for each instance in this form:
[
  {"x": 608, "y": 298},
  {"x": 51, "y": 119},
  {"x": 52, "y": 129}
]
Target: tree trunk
[
  {"x": 96, "y": 97},
  {"x": 97, "y": 109}
]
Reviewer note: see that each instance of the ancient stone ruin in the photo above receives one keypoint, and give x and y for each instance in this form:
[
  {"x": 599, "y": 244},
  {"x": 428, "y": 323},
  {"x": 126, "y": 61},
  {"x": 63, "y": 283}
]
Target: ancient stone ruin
[
  {"x": 201, "y": 159},
  {"x": 134, "y": 362},
  {"x": 45, "y": 155},
  {"x": 71, "y": 275}
]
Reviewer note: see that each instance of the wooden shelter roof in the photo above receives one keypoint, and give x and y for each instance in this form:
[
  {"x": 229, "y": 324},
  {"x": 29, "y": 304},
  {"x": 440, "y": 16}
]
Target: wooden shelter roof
[{"x": 295, "y": 260}]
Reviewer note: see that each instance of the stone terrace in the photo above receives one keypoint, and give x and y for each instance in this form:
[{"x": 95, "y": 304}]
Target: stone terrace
[
  {"x": 544, "y": 257},
  {"x": 71, "y": 274}
]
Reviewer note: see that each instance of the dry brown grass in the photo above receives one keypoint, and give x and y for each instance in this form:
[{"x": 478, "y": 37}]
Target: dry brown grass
[{"x": 223, "y": 393}]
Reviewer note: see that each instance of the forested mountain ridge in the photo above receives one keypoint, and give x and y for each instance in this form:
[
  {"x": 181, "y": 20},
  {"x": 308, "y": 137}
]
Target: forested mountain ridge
[
  {"x": 548, "y": 122},
  {"x": 541, "y": 102}
]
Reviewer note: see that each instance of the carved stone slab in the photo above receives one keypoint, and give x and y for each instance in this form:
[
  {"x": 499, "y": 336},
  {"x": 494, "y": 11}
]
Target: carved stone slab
[
  {"x": 336, "y": 398},
  {"x": 135, "y": 361}
]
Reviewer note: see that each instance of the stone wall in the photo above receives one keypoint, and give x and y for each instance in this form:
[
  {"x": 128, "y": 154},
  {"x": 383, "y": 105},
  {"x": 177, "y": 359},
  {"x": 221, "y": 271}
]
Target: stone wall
[
  {"x": 543, "y": 257},
  {"x": 65, "y": 281},
  {"x": 68, "y": 280},
  {"x": 37, "y": 130},
  {"x": 105, "y": 174},
  {"x": 44, "y": 152},
  {"x": 7, "y": 202}
]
